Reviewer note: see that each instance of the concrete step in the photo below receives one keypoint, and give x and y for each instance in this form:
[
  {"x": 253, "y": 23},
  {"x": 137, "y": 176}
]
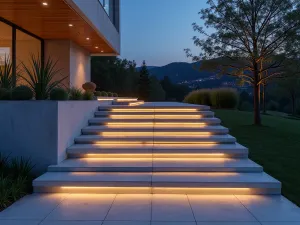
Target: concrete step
[
  {"x": 158, "y": 151},
  {"x": 93, "y": 130},
  {"x": 156, "y": 108},
  {"x": 165, "y": 122},
  {"x": 165, "y": 183},
  {"x": 155, "y": 114},
  {"x": 123, "y": 139},
  {"x": 156, "y": 165}
]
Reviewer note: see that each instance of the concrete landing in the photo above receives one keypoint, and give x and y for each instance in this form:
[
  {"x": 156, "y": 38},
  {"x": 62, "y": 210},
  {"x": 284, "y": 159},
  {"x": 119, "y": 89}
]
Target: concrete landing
[{"x": 79, "y": 209}]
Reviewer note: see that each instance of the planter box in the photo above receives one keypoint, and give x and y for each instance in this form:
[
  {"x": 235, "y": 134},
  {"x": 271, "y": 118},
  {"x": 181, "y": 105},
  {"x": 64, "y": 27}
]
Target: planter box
[{"x": 42, "y": 130}]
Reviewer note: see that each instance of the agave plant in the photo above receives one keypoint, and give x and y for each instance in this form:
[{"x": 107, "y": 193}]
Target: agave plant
[
  {"x": 41, "y": 77},
  {"x": 7, "y": 78}
]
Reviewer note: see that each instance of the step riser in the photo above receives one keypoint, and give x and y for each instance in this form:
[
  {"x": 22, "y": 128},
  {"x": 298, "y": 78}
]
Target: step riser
[
  {"x": 156, "y": 169},
  {"x": 109, "y": 130},
  {"x": 109, "y": 113},
  {"x": 161, "y": 190}
]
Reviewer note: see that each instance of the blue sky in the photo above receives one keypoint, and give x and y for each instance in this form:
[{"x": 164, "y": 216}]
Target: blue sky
[{"x": 158, "y": 30}]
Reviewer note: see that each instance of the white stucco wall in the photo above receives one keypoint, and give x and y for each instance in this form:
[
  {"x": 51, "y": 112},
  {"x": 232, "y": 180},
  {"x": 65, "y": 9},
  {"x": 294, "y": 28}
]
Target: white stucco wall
[
  {"x": 73, "y": 60},
  {"x": 42, "y": 130},
  {"x": 95, "y": 15},
  {"x": 80, "y": 66}
]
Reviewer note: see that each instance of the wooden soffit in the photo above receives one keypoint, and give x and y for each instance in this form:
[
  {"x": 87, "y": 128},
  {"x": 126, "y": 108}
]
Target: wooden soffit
[{"x": 53, "y": 21}]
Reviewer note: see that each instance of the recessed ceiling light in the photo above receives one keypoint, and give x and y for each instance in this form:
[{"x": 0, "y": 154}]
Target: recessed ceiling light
[
  {"x": 96, "y": 47},
  {"x": 70, "y": 25},
  {"x": 45, "y": 3},
  {"x": 87, "y": 38},
  {"x": 102, "y": 51}
]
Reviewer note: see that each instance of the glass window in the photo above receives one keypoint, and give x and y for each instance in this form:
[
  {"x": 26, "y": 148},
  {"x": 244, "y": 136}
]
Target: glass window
[
  {"x": 5, "y": 41},
  {"x": 26, "y": 46}
]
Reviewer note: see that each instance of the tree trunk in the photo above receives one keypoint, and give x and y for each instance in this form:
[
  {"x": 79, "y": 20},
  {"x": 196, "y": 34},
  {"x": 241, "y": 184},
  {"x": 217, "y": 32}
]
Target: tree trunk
[
  {"x": 293, "y": 104},
  {"x": 264, "y": 99},
  {"x": 257, "y": 119}
]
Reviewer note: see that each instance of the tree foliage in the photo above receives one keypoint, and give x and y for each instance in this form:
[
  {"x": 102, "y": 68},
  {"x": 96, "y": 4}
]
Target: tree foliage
[
  {"x": 247, "y": 39},
  {"x": 144, "y": 83}
]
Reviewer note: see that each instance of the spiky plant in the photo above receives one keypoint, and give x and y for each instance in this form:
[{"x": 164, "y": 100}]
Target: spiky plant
[
  {"x": 41, "y": 77},
  {"x": 7, "y": 78}
]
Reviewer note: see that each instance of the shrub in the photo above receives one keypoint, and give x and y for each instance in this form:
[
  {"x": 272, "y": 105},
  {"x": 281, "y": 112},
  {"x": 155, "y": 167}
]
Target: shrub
[
  {"x": 109, "y": 94},
  {"x": 272, "y": 106},
  {"x": 89, "y": 87},
  {"x": 59, "y": 94},
  {"x": 41, "y": 77},
  {"x": 15, "y": 180},
  {"x": 5, "y": 94},
  {"x": 87, "y": 95},
  {"x": 22, "y": 93},
  {"x": 115, "y": 95},
  {"x": 227, "y": 98},
  {"x": 75, "y": 94},
  {"x": 191, "y": 97},
  {"x": 201, "y": 97},
  {"x": 104, "y": 94},
  {"x": 98, "y": 94},
  {"x": 7, "y": 79}
]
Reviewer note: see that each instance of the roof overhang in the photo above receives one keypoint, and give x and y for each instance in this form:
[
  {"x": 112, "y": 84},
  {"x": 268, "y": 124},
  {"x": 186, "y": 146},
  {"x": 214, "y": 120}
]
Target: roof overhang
[{"x": 54, "y": 21}]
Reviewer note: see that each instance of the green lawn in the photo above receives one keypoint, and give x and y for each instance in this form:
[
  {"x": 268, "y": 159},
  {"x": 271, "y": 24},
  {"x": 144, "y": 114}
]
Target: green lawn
[{"x": 275, "y": 146}]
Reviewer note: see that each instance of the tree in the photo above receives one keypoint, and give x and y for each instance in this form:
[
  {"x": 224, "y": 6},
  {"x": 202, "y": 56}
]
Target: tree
[
  {"x": 115, "y": 75},
  {"x": 144, "y": 83},
  {"x": 247, "y": 36},
  {"x": 157, "y": 93}
]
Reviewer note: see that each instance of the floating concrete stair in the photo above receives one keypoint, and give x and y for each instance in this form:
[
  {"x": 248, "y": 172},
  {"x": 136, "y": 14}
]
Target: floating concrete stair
[
  {"x": 157, "y": 151},
  {"x": 164, "y": 148},
  {"x": 156, "y": 165},
  {"x": 204, "y": 121},
  {"x": 94, "y": 130},
  {"x": 122, "y": 138},
  {"x": 155, "y": 182}
]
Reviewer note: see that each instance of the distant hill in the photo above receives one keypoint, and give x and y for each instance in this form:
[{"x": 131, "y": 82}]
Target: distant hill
[{"x": 189, "y": 74}]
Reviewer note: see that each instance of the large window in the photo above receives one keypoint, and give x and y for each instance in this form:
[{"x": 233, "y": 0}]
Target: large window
[
  {"x": 5, "y": 42},
  {"x": 18, "y": 44},
  {"x": 105, "y": 4}
]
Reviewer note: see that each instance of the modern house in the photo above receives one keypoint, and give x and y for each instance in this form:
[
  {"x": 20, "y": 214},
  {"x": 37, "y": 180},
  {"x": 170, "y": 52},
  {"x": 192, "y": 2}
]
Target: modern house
[{"x": 68, "y": 31}]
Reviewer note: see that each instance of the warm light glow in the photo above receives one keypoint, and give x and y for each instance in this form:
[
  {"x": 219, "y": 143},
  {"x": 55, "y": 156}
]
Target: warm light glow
[
  {"x": 156, "y": 110},
  {"x": 136, "y": 103},
  {"x": 143, "y": 158},
  {"x": 102, "y": 51},
  {"x": 159, "y": 134},
  {"x": 126, "y": 99},
  {"x": 70, "y": 25},
  {"x": 158, "y": 190},
  {"x": 87, "y": 38},
  {"x": 155, "y": 116},
  {"x": 45, "y": 3},
  {"x": 105, "y": 99},
  {"x": 151, "y": 143},
  {"x": 97, "y": 47},
  {"x": 157, "y": 155},
  {"x": 156, "y": 124}
]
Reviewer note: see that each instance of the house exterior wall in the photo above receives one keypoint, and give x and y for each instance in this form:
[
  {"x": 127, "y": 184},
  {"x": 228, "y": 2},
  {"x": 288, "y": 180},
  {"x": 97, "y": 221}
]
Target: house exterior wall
[{"x": 73, "y": 60}]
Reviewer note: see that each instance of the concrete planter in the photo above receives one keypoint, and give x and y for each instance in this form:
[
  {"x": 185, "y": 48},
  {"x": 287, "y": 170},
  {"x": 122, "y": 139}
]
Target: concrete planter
[{"x": 42, "y": 130}]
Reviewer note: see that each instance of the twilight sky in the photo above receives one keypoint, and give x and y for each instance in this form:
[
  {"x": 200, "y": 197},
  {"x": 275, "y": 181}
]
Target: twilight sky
[{"x": 158, "y": 30}]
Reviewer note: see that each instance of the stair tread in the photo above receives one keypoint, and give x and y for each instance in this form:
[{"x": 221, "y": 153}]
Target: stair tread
[
  {"x": 149, "y": 140},
  {"x": 234, "y": 146},
  {"x": 152, "y": 129},
  {"x": 156, "y": 162},
  {"x": 200, "y": 120},
  {"x": 184, "y": 179},
  {"x": 106, "y": 113}
]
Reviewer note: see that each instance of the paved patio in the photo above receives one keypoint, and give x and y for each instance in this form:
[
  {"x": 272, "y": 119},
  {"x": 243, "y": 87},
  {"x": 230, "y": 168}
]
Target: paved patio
[{"x": 79, "y": 209}]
